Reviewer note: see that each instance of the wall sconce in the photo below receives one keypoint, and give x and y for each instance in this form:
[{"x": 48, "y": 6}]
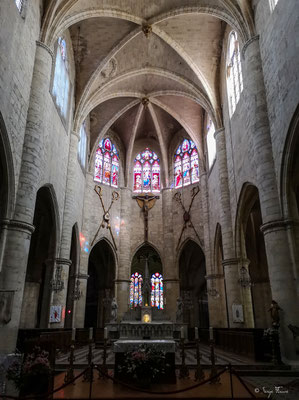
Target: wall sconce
[
  {"x": 57, "y": 283},
  {"x": 244, "y": 280},
  {"x": 77, "y": 292}
]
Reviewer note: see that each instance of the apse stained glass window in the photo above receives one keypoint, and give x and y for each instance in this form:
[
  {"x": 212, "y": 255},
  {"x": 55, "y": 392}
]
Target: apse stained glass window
[
  {"x": 20, "y": 5},
  {"x": 211, "y": 142},
  {"x": 157, "y": 291},
  {"x": 147, "y": 172},
  {"x": 61, "y": 82},
  {"x": 82, "y": 145},
  {"x": 186, "y": 169},
  {"x": 106, "y": 169},
  {"x": 136, "y": 290},
  {"x": 234, "y": 72}
]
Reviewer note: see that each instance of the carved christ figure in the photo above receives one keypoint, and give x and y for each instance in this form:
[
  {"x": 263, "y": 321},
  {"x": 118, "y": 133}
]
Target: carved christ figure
[{"x": 146, "y": 202}]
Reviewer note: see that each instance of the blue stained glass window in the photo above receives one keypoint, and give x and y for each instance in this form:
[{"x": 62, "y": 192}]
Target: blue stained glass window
[
  {"x": 186, "y": 164},
  {"x": 106, "y": 163},
  {"x": 147, "y": 172},
  {"x": 136, "y": 290},
  {"x": 157, "y": 291}
]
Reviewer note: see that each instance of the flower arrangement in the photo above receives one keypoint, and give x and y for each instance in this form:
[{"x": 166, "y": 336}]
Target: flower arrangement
[
  {"x": 143, "y": 365},
  {"x": 33, "y": 375}
]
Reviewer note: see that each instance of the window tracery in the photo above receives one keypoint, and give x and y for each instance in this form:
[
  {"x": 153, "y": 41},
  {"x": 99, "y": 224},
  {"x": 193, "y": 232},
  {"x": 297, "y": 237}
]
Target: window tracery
[
  {"x": 136, "y": 290},
  {"x": 234, "y": 73},
  {"x": 157, "y": 291},
  {"x": 106, "y": 169},
  {"x": 147, "y": 172},
  {"x": 82, "y": 146},
  {"x": 186, "y": 170},
  {"x": 61, "y": 82},
  {"x": 211, "y": 142}
]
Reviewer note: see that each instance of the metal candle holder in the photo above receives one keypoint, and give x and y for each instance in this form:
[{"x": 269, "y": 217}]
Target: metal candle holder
[
  {"x": 184, "y": 371},
  {"x": 103, "y": 370},
  {"x": 88, "y": 374},
  {"x": 69, "y": 375},
  {"x": 213, "y": 366},
  {"x": 199, "y": 374}
]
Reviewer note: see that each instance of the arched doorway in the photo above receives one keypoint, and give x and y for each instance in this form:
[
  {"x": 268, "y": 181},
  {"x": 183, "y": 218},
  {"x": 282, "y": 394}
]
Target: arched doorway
[
  {"x": 254, "y": 250},
  {"x": 100, "y": 285},
  {"x": 69, "y": 315},
  {"x": 42, "y": 252},
  {"x": 147, "y": 266},
  {"x": 193, "y": 285}
]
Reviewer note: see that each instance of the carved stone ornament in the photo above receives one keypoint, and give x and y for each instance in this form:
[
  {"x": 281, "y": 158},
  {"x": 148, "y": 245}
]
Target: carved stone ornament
[
  {"x": 6, "y": 302},
  {"x": 109, "y": 69}
]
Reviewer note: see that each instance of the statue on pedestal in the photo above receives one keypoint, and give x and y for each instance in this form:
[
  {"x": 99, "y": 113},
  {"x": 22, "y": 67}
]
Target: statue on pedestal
[
  {"x": 274, "y": 311},
  {"x": 114, "y": 308}
]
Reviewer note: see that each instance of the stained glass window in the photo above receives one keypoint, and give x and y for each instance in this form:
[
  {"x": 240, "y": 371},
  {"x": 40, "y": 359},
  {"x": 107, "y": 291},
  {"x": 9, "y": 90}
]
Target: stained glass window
[
  {"x": 106, "y": 169},
  {"x": 234, "y": 73},
  {"x": 20, "y": 4},
  {"x": 211, "y": 142},
  {"x": 147, "y": 172},
  {"x": 82, "y": 145},
  {"x": 186, "y": 168},
  {"x": 61, "y": 82},
  {"x": 273, "y": 4},
  {"x": 157, "y": 291},
  {"x": 136, "y": 290}
]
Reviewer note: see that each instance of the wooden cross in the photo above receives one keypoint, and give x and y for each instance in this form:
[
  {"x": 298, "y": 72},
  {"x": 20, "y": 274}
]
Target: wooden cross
[
  {"x": 146, "y": 202},
  {"x": 186, "y": 215},
  {"x": 106, "y": 216}
]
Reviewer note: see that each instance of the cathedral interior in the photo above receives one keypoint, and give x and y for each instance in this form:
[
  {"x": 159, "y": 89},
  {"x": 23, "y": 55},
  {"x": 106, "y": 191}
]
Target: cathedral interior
[{"x": 149, "y": 180}]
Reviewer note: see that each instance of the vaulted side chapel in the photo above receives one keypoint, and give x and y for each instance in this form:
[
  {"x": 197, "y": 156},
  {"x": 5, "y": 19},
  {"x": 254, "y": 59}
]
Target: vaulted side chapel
[{"x": 149, "y": 180}]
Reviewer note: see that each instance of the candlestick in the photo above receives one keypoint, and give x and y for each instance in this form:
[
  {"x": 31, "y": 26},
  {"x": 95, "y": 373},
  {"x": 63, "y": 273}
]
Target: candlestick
[
  {"x": 196, "y": 333},
  {"x": 73, "y": 334},
  {"x": 182, "y": 333},
  {"x": 90, "y": 333},
  {"x": 105, "y": 333},
  {"x": 211, "y": 333}
]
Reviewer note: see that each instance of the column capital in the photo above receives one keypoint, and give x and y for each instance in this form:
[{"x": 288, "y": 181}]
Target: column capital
[
  {"x": 47, "y": 48},
  {"x": 233, "y": 261},
  {"x": 63, "y": 261},
  {"x": 82, "y": 276},
  {"x": 16, "y": 225},
  {"x": 218, "y": 131},
  {"x": 278, "y": 225},
  {"x": 248, "y": 43},
  {"x": 76, "y": 134}
]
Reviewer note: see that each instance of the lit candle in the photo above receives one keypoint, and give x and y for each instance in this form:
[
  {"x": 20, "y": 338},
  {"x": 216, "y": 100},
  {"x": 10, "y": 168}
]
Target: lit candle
[
  {"x": 196, "y": 333},
  {"x": 211, "y": 333},
  {"x": 73, "y": 334},
  {"x": 105, "y": 332},
  {"x": 90, "y": 333},
  {"x": 182, "y": 332}
]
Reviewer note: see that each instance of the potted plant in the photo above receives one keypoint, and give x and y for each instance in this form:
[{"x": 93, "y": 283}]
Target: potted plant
[
  {"x": 143, "y": 366},
  {"x": 33, "y": 376}
]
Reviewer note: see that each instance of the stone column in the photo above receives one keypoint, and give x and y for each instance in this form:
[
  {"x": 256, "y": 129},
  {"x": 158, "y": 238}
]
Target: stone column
[
  {"x": 281, "y": 269},
  {"x": 230, "y": 264},
  {"x": 20, "y": 229},
  {"x": 170, "y": 266},
  {"x": 63, "y": 262},
  {"x": 122, "y": 282}
]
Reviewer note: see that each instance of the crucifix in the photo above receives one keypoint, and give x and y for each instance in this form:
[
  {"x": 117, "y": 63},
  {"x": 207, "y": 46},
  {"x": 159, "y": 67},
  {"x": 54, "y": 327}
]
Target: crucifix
[
  {"x": 106, "y": 216},
  {"x": 146, "y": 202},
  {"x": 187, "y": 215}
]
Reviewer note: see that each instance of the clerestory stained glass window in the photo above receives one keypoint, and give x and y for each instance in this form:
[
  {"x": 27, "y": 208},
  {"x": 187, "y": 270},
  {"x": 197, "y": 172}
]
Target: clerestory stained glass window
[
  {"x": 147, "y": 172},
  {"x": 234, "y": 72},
  {"x": 82, "y": 145},
  {"x": 186, "y": 170},
  {"x": 61, "y": 82},
  {"x": 157, "y": 291},
  {"x": 136, "y": 290},
  {"x": 106, "y": 169},
  {"x": 211, "y": 142}
]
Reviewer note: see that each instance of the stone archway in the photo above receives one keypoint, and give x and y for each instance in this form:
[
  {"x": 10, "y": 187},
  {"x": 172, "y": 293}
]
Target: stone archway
[
  {"x": 42, "y": 252},
  {"x": 193, "y": 285},
  {"x": 100, "y": 285},
  {"x": 253, "y": 253}
]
